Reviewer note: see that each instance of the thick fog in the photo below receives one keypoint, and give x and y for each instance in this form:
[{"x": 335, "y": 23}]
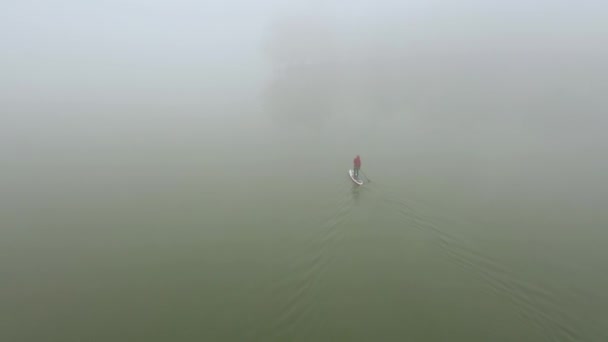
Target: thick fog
[
  {"x": 177, "y": 170},
  {"x": 504, "y": 83}
]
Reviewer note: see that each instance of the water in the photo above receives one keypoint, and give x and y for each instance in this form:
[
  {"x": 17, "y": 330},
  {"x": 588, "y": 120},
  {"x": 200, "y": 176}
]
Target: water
[{"x": 266, "y": 238}]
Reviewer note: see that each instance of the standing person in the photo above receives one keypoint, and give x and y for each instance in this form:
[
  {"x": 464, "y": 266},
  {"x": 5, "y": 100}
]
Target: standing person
[{"x": 357, "y": 166}]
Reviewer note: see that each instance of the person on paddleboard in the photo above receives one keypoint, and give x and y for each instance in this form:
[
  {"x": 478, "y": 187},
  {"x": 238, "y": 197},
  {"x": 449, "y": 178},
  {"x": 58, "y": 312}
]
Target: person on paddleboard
[{"x": 357, "y": 166}]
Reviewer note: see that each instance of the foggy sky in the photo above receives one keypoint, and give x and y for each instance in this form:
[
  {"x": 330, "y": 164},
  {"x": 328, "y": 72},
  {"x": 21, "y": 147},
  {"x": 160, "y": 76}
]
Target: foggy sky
[
  {"x": 451, "y": 68},
  {"x": 188, "y": 52}
]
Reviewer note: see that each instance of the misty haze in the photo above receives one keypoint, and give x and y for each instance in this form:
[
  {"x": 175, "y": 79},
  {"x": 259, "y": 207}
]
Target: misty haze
[{"x": 183, "y": 171}]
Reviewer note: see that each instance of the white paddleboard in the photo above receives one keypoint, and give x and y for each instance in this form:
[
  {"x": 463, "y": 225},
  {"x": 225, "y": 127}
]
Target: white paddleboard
[{"x": 352, "y": 176}]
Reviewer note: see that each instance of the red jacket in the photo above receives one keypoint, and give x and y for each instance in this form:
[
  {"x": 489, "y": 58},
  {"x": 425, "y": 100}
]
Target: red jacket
[{"x": 357, "y": 162}]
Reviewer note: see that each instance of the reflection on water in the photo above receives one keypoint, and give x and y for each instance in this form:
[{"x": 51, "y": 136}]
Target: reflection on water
[{"x": 355, "y": 191}]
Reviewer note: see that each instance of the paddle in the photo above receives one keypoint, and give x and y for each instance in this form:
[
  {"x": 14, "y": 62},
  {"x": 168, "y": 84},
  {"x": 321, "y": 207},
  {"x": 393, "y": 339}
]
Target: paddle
[{"x": 369, "y": 180}]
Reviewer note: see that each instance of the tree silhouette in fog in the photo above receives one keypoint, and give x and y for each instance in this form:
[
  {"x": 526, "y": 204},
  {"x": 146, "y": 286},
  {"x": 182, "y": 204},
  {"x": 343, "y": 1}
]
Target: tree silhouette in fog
[{"x": 304, "y": 83}]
